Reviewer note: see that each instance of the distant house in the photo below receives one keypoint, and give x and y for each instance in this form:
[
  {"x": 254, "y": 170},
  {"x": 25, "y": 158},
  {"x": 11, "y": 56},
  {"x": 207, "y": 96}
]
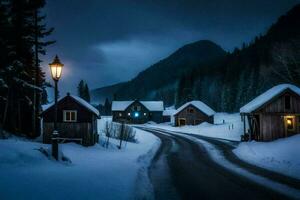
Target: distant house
[
  {"x": 137, "y": 112},
  {"x": 76, "y": 118},
  {"x": 168, "y": 115},
  {"x": 273, "y": 114},
  {"x": 193, "y": 113}
]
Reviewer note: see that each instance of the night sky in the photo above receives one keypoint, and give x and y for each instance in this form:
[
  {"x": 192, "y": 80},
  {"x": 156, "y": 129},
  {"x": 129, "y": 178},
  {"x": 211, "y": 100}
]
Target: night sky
[{"x": 105, "y": 42}]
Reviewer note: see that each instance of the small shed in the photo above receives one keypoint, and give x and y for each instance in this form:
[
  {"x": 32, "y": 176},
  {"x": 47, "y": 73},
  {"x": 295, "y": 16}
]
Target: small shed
[
  {"x": 193, "y": 113},
  {"x": 168, "y": 114},
  {"x": 273, "y": 114},
  {"x": 76, "y": 120},
  {"x": 137, "y": 112}
]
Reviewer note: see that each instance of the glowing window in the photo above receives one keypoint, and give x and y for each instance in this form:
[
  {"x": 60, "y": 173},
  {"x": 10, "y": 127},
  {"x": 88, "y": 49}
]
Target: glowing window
[
  {"x": 128, "y": 114},
  {"x": 290, "y": 123},
  {"x": 120, "y": 114},
  {"x": 136, "y": 114},
  {"x": 145, "y": 114}
]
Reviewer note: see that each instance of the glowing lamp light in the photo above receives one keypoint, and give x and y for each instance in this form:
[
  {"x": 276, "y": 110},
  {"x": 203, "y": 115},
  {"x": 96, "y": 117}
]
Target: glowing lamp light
[
  {"x": 289, "y": 121},
  {"x": 136, "y": 114},
  {"x": 56, "y": 68}
]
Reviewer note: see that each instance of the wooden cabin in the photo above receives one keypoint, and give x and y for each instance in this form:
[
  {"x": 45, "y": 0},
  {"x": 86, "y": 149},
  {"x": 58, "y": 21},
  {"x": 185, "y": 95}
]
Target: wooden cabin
[
  {"x": 137, "y": 112},
  {"x": 76, "y": 121},
  {"x": 193, "y": 113},
  {"x": 273, "y": 114}
]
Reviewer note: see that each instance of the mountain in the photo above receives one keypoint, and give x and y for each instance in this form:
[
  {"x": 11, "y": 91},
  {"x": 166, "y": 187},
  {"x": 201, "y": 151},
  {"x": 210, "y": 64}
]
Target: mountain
[
  {"x": 225, "y": 81},
  {"x": 163, "y": 75},
  {"x": 270, "y": 59}
]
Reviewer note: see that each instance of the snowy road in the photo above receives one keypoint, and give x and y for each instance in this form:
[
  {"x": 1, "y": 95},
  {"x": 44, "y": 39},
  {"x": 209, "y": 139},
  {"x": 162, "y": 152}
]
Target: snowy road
[{"x": 183, "y": 169}]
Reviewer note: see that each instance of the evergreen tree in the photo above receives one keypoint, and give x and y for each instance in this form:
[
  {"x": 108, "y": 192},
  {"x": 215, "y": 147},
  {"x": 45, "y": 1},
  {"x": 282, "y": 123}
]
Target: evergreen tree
[
  {"x": 107, "y": 107},
  {"x": 21, "y": 33},
  {"x": 87, "y": 96},
  {"x": 179, "y": 92},
  {"x": 83, "y": 91},
  {"x": 44, "y": 99},
  {"x": 80, "y": 89}
]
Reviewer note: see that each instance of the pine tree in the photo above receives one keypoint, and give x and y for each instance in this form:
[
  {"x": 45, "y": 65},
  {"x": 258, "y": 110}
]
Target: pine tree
[
  {"x": 39, "y": 31},
  {"x": 18, "y": 76},
  {"x": 80, "y": 89},
  {"x": 83, "y": 91},
  {"x": 107, "y": 107},
  {"x": 179, "y": 92},
  {"x": 87, "y": 96},
  {"x": 44, "y": 99},
  {"x": 22, "y": 75}
]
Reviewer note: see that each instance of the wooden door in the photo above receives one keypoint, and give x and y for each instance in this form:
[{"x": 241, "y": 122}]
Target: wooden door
[
  {"x": 290, "y": 124},
  {"x": 181, "y": 121}
]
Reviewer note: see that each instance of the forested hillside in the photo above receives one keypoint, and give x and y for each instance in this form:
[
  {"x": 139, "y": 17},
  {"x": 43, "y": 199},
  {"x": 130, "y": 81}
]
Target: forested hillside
[
  {"x": 223, "y": 81},
  {"x": 269, "y": 60}
]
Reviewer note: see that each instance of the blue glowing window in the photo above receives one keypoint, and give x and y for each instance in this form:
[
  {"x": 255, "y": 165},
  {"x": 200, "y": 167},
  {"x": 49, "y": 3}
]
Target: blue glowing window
[{"x": 136, "y": 114}]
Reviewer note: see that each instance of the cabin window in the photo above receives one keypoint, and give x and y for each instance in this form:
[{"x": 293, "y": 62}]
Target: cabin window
[
  {"x": 145, "y": 114},
  {"x": 70, "y": 115},
  {"x": 191, "y": 110},
  {"x": 120, "y": 114},
  {"x": 290, "y": 123},
  {"x": 137, "y": 108},
  {"x": 287, "y": 102},
  {"x": 128, "y": 114}
]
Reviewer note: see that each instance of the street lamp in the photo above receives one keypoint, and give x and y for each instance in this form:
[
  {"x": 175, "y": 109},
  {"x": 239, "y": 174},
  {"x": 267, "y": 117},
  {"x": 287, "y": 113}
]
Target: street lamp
[{"x": 56, "y": 69}]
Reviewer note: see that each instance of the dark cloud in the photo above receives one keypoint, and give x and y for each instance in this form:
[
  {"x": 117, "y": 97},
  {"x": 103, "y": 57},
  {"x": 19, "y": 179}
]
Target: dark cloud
[{"x": 105, "y": 42}]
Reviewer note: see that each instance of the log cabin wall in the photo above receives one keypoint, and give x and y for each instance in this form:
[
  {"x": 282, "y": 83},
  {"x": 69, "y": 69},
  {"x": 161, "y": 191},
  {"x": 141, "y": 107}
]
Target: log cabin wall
[
  {"x": 70, "y": 130},
  {"x": 192, "y": 118},
  {"x": 271, "y": 127},
  {"x": 272, "y": 116}
]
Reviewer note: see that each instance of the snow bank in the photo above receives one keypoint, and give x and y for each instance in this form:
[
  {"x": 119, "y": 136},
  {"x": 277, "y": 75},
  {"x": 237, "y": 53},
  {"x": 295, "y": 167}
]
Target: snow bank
[
  {"x": 231, "y": 129},
  {"x": 102, "y": 123},
  {"x": 95, "y": 172},
  {"x": 281, "y": 155}
]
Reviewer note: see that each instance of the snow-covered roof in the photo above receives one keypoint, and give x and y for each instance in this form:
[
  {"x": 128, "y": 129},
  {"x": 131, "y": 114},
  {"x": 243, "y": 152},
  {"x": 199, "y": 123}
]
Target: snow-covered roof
[
  {"x": 120, "y": 105},
  {"x": 78, "y": 100},
  {"x": 198, "y": 104},
  {"x": 150, "y": 105},
  {"x": 169, "y": 112},
  {"x": 267, "y": 96}
]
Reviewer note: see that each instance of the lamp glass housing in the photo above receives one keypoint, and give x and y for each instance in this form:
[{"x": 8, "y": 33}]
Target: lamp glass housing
[{"x": 56, "y": 68}]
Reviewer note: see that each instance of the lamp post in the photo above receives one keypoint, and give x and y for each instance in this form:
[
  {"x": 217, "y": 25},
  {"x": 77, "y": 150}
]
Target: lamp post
[{"x": 56, "y": 69}]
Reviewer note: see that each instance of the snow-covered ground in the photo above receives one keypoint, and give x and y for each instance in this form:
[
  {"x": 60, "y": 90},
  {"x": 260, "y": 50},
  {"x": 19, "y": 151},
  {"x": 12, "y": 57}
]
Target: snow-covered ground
[
  {"x": 95, "y": 172},
  {"x": 281, "y": 155},
  {"x": 226, "y": 126}
]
